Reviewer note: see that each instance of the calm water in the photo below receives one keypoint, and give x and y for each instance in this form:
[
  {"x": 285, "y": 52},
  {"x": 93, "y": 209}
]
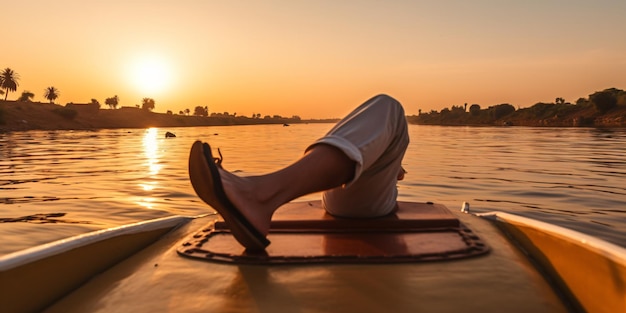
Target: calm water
[{"x": 72, "y": 182}]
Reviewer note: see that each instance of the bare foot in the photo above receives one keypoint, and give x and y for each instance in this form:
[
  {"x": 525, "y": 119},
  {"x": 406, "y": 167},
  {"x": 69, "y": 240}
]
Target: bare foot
[
  {"x": 246, "y": 225},
  {"x": 245, "y": 193}
]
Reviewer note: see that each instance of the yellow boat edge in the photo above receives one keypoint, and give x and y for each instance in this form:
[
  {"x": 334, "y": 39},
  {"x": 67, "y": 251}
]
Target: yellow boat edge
[
  {"x": 54, "y": 269},
  {"x": 590, "y": 271},
  {"x": 39, "y": 252}
]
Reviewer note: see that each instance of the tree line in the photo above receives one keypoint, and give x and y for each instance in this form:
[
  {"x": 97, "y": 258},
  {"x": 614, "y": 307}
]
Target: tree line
[
  {"x": 9, "y": 83},
  {"x": 582, "y": 112}
]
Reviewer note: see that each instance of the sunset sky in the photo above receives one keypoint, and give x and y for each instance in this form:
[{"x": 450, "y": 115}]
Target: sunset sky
[{"x": 315, "y": 59}]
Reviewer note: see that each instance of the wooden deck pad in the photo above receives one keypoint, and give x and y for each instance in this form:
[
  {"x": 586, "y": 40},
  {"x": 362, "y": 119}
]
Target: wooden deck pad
[{"x": 304, "y": 233}]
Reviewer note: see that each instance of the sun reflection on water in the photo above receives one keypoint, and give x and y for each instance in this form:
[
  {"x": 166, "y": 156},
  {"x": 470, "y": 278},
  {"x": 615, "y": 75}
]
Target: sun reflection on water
[
  {"x": 149, "y": 186},
  {"x": 151, "y": 152},
  {"x": 151, "y": 149},
  {"x": 147, "y": 203}
]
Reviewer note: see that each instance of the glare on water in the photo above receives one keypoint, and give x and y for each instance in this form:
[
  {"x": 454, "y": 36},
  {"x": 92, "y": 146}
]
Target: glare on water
[{"x": 574, "y": 177}]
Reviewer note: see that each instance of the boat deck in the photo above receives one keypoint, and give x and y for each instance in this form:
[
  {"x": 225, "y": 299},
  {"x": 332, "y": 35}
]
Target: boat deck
[
  {"x": 158, "y": 279},
  {"x": 303, "y": 232}
]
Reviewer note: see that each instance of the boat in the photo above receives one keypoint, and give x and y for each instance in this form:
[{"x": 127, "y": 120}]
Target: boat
[{"x": 423, "y": 258}]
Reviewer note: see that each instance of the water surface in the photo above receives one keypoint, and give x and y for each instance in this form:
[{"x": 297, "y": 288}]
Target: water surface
[{"x": 54, "y": 184}]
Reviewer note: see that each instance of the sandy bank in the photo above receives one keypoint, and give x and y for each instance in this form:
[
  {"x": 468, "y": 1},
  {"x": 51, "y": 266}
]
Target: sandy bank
[{"x": 18, "y": 116}]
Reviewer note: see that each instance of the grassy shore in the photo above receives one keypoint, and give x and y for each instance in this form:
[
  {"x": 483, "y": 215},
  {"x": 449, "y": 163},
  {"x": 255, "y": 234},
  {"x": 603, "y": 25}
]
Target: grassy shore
[{"x": 19, "y": 116}]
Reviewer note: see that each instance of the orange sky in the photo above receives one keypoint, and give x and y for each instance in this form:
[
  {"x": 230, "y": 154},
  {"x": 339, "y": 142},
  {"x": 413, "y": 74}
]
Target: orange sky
[{"x": 315, "y": 59}]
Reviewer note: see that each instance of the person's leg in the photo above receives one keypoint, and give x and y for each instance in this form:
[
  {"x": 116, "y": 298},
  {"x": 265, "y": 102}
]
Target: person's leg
[
  {"x": 375, "y": 136},
  {"x": 363, "y": 150},
  {"x": 257, "y": 197},
  {"x": 247, "y": 203}
]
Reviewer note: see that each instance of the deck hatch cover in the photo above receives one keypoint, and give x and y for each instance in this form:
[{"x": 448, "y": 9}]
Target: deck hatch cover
[{"x": 303, "y": 233}]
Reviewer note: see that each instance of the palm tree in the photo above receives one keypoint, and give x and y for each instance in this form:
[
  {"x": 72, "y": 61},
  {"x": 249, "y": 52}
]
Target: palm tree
[
  {"x": 51, "y": 94},
  {"x": 8, "y": 81},
  {"x": 26, "y": 96},
  {"x": 147, "y": 104}
]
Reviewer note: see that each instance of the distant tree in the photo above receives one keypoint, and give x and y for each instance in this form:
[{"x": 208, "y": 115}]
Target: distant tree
[
  {"x": 169, "y": 112},
  {"x": 8, "y": 81},
  {"x": 51, "y": 94},
  {"x": 112, "y": 102},
  {"x": 181, "y": 112},
  {"x": 474, "y": 109},
  {"x": 502, "y": 110},
  {"x": 582, "y": 101},
  {"x": 187, "y": 111},
  {"x": 559, "y": 100},
  {"x": 201, "y": 111},
  {"x": 458, "y": 109},
  {"x": 95, "y": 103},
  {"x": 26, "y": 96},
  {"x": 603, "y": 100},
  {"x": 614, "y": 91},
  {"x": 147, "y": 104}
]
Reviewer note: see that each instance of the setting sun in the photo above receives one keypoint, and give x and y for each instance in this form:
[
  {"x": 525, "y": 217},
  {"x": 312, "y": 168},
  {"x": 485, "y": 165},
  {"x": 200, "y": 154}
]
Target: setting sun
[{"x": 150, "y": 75}]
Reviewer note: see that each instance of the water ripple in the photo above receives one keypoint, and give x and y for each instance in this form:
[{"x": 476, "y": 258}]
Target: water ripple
[{"x": 575, "y": 178}]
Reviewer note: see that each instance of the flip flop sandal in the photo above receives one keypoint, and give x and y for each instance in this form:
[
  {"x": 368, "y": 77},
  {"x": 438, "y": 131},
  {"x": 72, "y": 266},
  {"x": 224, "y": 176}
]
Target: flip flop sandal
[{"x": 206, "y": 181}]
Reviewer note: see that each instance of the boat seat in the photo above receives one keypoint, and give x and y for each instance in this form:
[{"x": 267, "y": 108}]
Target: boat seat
[{"x": 302, "y": 232}]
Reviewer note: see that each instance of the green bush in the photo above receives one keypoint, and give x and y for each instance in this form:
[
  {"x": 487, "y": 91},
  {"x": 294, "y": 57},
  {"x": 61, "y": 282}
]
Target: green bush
[
  {"x": 501, "y": 110},
  {"x": 603, "y": 100},
  {"x": 67, "y": 113}
]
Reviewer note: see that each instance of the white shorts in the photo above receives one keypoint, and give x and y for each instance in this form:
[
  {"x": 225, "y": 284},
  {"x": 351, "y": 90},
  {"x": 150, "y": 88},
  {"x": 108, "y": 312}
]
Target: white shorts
[{"x": 375, "y": 136}]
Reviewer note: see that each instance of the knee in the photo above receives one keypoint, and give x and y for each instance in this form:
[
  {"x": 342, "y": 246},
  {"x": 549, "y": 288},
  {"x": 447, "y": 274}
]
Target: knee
[
  {"x": 384, "y": 97},
  {"x": 388, "y": 102}
]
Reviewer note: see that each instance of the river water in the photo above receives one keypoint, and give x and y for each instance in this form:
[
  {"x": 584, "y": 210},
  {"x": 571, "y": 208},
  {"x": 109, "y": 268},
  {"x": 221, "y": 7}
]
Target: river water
[{"x": 55, "y": 184}]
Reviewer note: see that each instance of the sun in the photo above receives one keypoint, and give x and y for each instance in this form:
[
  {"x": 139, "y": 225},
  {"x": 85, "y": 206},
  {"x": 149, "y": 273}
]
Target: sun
[{"x": 150, "y": 75}]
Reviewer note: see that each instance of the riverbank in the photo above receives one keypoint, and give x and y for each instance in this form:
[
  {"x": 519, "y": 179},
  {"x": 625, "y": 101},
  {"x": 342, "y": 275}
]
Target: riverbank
[
  {"x": 606, "y": 108},
  {"x": 20, "y": 116},
  {"x": 553, "y": 117}
]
